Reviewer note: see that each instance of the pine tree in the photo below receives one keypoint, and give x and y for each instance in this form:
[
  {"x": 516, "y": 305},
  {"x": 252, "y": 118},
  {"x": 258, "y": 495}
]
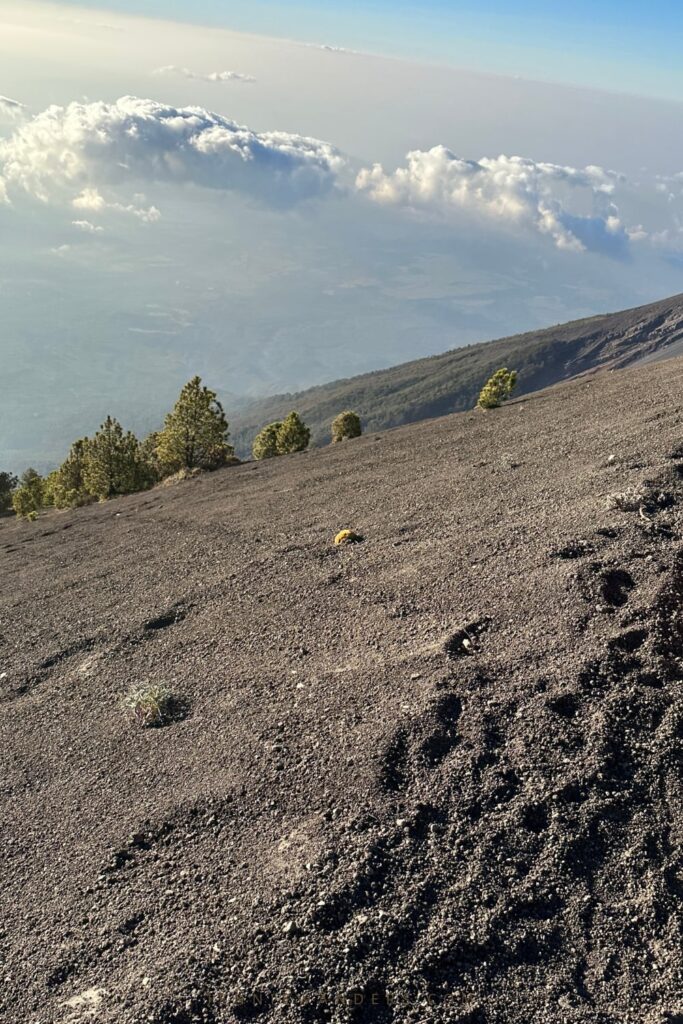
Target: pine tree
[
  {"x": 112, "y": 463},
  {"x": 497, "y": 389},
  {"x": 152, "y": 469},
  {"x": 293, "y": 435},
  {"x": 29, "y": 497},
  {"x": 66, "y": 486},
  {"x": 7, "y": 484},
  {"x": 195, "y": 434},
  {"x": 346, "y": 425},
  {"x": 265, "y": 443}
]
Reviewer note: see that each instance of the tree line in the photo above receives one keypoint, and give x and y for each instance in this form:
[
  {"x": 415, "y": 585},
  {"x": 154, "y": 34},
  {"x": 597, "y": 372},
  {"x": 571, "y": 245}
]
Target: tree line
[{"x": 195, "y": 437}]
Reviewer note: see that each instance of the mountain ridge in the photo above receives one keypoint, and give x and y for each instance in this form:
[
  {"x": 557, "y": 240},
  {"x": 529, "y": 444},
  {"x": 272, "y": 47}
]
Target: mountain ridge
[{"x": 450, "y": 382}]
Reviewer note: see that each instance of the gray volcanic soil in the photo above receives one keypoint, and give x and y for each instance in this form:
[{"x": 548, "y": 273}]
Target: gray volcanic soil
[{"x": 435, "y": 776}]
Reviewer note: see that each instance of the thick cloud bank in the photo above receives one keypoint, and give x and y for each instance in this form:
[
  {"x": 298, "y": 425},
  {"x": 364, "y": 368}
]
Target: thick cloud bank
[
  {"x": 65, "y": 151},
  {"x": 508, "y": 189},
  {"x": 210, "y": 76}
]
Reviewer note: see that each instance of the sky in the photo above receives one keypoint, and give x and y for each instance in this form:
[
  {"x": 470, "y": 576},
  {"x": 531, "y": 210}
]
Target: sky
[
  {"x": 626, "y": 45},
  {"x": 274, "y": 196}
]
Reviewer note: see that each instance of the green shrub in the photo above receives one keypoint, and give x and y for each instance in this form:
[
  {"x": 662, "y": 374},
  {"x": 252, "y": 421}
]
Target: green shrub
[
  {"x": 346, "y": 425},
  {"x": 293, "y": 435},
  {"x": 265, "y": 442},
  {"x": 29, "y": 497},
  {"x": 497, "y": 389}
]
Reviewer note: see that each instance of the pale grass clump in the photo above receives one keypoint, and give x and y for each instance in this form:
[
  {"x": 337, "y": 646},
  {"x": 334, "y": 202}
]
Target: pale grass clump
[
  {"x": 150, "y": 703},
  {"x": 629, "y": 500}
]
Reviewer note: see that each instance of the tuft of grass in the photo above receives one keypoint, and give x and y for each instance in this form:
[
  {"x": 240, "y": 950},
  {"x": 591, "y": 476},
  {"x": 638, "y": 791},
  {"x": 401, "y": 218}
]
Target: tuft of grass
[
  {"x": 150, "y": 704},
  {"x": 182, "y": 474}
]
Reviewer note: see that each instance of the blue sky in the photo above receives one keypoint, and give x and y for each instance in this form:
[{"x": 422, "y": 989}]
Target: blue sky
[{"x": 624, "y": 45}]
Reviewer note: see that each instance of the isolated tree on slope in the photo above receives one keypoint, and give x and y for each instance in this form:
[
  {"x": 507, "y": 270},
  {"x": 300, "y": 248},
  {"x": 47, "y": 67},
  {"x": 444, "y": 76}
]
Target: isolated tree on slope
[
  {"x": 195, "y": 434},
  {"x": 7, "y": 484},
  {"x": 265, "y": 442},
  {"x": 346, "y": 425},
  {"x": 497, "y": 389},
  {"x": 29, "y": 497},
  {"x": 293, "y": 435},
  {"x": 112, "y": 462}
]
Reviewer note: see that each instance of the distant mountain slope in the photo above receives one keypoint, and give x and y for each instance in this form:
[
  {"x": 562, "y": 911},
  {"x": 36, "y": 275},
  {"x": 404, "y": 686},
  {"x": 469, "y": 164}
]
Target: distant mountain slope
[{"x": 431, "y": 387}]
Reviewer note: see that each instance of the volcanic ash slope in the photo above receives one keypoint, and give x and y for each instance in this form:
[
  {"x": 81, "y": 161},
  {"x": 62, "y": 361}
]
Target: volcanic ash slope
[{"x": 435, "y": 776}]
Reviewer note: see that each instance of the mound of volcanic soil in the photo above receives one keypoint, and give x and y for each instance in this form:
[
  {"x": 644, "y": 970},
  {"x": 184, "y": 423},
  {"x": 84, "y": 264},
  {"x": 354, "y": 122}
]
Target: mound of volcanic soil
[{"x": 435, "y": 776}]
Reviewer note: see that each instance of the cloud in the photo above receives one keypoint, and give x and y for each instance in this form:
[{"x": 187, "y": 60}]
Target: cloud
[
  {"x": 91, "y": 199},
  {"x": 210, "y": 76},
  {"x": 88, "y": 227},
  {"x": 11, "y": 110},
  {"x": 71, "y": 153},
  {"x": 336, "y": 49},
  {"x": 509, "y": 190}
]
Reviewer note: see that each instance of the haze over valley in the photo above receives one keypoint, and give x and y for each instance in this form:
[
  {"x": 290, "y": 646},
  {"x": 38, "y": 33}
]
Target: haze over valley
[{"x": 179, "y": 199}]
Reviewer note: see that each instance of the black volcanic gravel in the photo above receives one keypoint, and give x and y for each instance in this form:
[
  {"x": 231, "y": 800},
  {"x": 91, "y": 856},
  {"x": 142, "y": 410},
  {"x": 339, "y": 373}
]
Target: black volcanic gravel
[{"x": 432, "y": 777}]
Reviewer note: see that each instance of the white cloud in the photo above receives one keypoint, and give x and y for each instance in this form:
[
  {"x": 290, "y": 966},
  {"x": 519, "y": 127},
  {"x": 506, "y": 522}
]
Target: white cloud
[
  {"x": 11, "y": 110},
  {"x": 91, "y": 199},
  {"x": 70, "y": 153},
  {"x": 210, "y": 76},
  {"x": 506, "y": 189},
  {"x": 88, "y": 227},
  {"x": 337, "y": 49}
]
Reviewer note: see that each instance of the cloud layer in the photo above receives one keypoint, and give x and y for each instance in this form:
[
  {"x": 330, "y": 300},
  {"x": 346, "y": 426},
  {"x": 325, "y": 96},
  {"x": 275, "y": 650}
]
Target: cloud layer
[
  {"x": 103, "y": 157},
  {"x": 67, "y": 151},
  {"x": 506, "y": 189},
  {"x": 210, "y": 76}
]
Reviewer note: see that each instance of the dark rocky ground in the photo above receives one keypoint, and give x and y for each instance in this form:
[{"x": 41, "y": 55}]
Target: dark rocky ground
[{"x": 432, "y": 777}]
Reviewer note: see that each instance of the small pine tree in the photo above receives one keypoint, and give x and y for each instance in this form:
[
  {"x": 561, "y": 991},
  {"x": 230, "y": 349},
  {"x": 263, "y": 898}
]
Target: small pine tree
[
  {"x": 497, "y": 389},
  {"x": 265, "y": 442},
  {"x": 66, "y": 486},
  {"x": 346, "y": 425},
  {"x": 7, "y": 484},
  {"x": 195, "y": 434},
  {"x": 29, "y": 497},
  {"x": 151, "y": 467},
  {"x": 112, "y": 463},
  {"x": 50, "y": 483},
  {"x": 293, "y": 435}
]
